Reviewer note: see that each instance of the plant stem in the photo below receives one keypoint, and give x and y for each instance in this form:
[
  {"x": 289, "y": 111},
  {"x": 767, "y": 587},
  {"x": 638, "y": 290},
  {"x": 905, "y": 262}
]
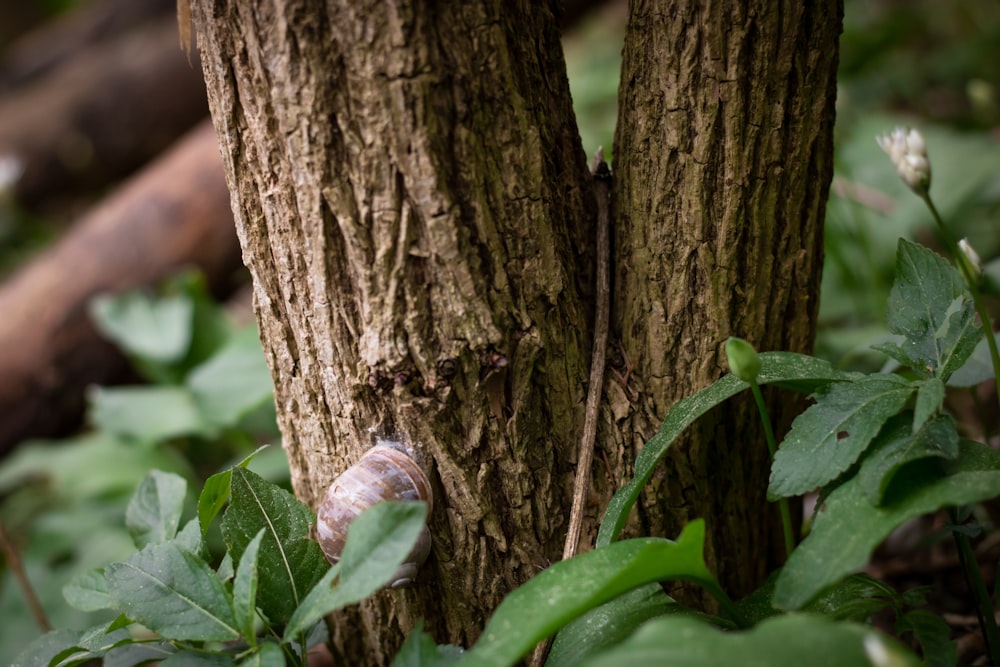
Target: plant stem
[
  {"x": 974, "y": 579},
  {"x": 17, "y": 569},
  {"x": 973, "y": 282},
  {"x": 772, "y": 447}
]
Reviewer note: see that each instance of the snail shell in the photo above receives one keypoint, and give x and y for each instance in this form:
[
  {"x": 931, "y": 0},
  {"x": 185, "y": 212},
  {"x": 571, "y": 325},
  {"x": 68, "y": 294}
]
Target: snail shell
[{"x": 384, "y": 472}]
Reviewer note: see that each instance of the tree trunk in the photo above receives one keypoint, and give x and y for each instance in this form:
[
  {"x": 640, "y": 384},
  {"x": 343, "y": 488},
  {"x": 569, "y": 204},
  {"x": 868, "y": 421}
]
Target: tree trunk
[
  {"x": 723, "y": 158},
  {"x": 414, "y": 207}
]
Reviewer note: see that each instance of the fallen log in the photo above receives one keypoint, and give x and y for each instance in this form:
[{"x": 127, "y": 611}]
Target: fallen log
[
  {"x": 103, "y": 114},
  {"x": 68, "y": 35},
  {"x": 173, "y": 214}
]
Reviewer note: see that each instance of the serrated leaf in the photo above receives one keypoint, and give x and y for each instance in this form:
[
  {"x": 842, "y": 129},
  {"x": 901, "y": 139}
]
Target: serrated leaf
[
  {"x": 158, "y": 329},
  {"x": 782, "y": 641},
  {"x": 610, "y": 624},
  {"x": 897, "y": 445},
  {"x": 234, "y": 382},
  {"x": 88, "y": 591},
  {"x": 154, "y": 511},
  {"x": 289, "y": 562},
  {"x": 932, "y": 633},
  {"x": 147, "y": 414},
  {"x": 172, "y": 592},
  {"x": 798, "y": 372},
  {"x": 567, "y": 589},
  {"x": 930, "y": 307},
  {"x": 847, "y": 528},
  {"x": 378, "y": 541},
  {"x": 830, "y": 435},
  {"x": 245, "y": 588},
  {"x": 930, "y": 398}
]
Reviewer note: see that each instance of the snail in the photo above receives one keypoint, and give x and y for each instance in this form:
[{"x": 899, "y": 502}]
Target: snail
[{"x": 384, "y": 472}]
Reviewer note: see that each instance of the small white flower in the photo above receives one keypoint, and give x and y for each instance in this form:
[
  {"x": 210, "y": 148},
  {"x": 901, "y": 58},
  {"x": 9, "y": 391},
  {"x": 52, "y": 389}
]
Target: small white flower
[
  {"x": 971, "y": 254},
  {"x": 908, "y": 152}
]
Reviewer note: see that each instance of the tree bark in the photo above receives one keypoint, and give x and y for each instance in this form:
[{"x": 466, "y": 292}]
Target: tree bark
[
  {"x": 723, "y": 158},
  {"x": 414, "y": 207},
  {"x": 173, "y": 215}
]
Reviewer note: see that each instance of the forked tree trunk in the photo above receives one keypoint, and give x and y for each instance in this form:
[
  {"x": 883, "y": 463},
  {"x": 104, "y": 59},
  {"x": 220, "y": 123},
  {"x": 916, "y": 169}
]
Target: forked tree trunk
[
  {"x": 723, "y": 162},
  {"x": 413, "y": 204}
]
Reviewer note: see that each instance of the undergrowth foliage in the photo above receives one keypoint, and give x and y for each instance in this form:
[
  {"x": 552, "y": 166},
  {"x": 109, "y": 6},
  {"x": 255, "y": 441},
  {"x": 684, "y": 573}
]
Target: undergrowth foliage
[{"x": 879, "y": 448}]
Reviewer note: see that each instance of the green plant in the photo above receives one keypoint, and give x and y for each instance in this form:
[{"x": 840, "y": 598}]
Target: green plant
[
  {"x": 878, "y": 445},
  {"x": 261, "y": 603},
  {"x": 209, "y": 405}
]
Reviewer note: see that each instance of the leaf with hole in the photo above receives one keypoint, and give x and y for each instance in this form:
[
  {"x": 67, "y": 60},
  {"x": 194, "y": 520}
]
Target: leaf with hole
[{"x": 830, "y": 435}]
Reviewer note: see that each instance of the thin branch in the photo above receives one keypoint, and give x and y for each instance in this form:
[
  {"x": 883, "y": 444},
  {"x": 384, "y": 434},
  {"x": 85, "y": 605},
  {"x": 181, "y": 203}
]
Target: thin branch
[
  {"x": 602, "y": 188},
  {"x": 14, "y": 562}
]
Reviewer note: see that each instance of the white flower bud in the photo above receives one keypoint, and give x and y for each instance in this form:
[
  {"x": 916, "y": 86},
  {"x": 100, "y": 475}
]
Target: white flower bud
[
  {"x": 10, "y": 171},
  {"x": 972, "y": 256},
  {"x": 908, "y": 152}
]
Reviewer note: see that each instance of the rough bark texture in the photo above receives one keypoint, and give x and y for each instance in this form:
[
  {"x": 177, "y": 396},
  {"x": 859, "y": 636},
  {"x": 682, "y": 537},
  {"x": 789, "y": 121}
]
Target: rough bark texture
[
  {"x": 172, "y": 215},
  {"x": 412, "y": 202},
  {"x": 723, "y": 157}
]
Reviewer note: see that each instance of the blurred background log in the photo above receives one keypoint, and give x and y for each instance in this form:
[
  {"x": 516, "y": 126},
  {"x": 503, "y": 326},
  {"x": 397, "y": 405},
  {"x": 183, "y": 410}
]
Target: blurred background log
[
  {"x": 101, "y": 113},
  {"x": 173, "y": 214},
  {"x": 36, "y": 52}
]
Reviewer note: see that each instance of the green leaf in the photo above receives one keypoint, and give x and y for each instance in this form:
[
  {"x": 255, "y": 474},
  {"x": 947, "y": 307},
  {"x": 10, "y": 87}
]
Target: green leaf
[
  {"x": 147, "y": 414},
  {"x": 233, "y": 382},
  {"x": 192, "y": 658},
  {"x": 267, "y": 654},
  {"x": 930, "y": 307},
  {"x": 785, "y": 369},
  {"x": 157, "y": 329},
  {"x": 828, "y": 438},
  {"x": 88, "y": 591},
  {"x": 215, "y": 491},
  {"x": 847, "y": 528},
  {"x": 782, "y": 641},
  {"x": 378, "y": 541},
  {"x": 930, "y": 398},
  {"x": 245, "y": 589},
  {"x": 172, "y": 592},
  {"x": 44, "y": 649},
  {"x": 610, "y": 624},
  {"x": 855, "y": 598},
  {"x": 79, "y": 468},
  {"x": 932, "y": 633},
  {"x": 567, "y": 589},
  {"x": 419, "y": 650},
  {"x": 154, "y": 512},
  {"x": 897, "y": 445},
  {"x": 978, "y": 368},
  {"x": 289, "y": 562},
  {"x": 190, "y": 538}
]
